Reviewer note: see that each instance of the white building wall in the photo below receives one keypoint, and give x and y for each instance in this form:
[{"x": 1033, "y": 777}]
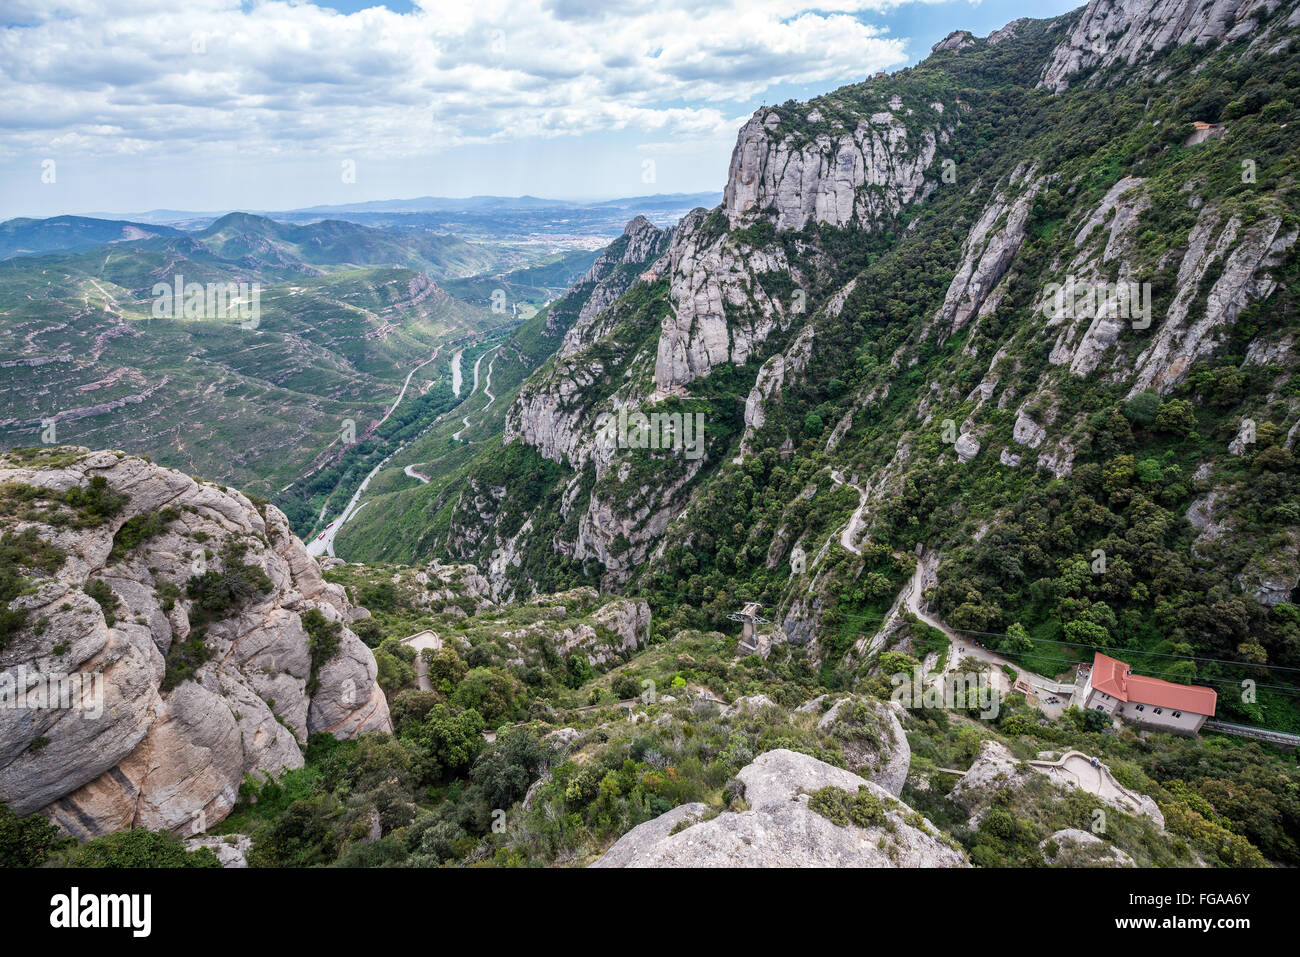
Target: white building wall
[{"x": 1166, "y": 719}]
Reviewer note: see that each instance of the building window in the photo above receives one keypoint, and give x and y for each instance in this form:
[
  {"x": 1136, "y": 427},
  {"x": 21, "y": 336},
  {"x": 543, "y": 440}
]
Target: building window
[
  {"x": 1160, "y": 710},
  {"x": 1178, "y": 714},
  {"x": 1141, "y": 708}
]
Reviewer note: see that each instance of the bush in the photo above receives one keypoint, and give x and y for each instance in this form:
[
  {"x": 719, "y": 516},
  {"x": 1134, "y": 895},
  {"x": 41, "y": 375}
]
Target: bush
[
  {"x": 99, "y": 590},
  {"x": 216, "y": 594},
  {"x": 136, "y": 848},
  {"x": 137, "y": 530},
  {"x": 25, "y": 841},
  {"x": 1177, "y": 417},
  {"x": 1142, "y": 408},
  {"x": 862, "y": 809},
  {"x": 323, "y": 639}
]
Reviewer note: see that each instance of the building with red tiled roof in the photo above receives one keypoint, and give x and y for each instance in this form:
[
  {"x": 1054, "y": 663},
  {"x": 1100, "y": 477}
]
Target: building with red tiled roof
[{"x": 1111, "y": 687}]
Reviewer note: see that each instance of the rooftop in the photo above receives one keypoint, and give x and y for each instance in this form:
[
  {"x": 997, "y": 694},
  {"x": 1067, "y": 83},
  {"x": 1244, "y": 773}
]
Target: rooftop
[{"x": 1115, "y": 678}]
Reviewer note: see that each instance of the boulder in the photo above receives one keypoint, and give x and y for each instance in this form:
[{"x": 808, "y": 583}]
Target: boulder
[
  {"x": 1072, "y": 847},
  {"x": 779, "y": 829}
]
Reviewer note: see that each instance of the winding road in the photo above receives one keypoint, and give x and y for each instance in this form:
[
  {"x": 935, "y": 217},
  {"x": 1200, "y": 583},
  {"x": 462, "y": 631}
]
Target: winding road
[
  {"x": 491, "y": 398},
  {"x": 323, "y": 544}
]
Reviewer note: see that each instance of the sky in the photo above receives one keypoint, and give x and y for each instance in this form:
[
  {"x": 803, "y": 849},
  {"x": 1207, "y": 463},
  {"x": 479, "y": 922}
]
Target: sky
[{"x": 133, "y": 105}]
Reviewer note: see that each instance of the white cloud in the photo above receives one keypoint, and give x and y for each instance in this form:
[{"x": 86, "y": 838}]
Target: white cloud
[{"x": 274, "y": 77}]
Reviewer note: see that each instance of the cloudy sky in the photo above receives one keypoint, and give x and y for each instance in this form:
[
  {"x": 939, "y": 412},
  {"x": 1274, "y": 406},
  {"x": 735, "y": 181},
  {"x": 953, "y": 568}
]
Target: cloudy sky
[{"x": 133, "y": 105}]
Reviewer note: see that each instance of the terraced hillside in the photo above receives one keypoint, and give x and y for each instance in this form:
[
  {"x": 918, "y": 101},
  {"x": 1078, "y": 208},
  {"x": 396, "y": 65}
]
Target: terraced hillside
[{"x": 348, "y": 315}]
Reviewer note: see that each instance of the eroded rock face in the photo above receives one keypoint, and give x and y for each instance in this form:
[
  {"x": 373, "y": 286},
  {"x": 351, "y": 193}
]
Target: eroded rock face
[
  {"x": 993, "y": 769},
  {"x": 780, "y": 830},
  {"x": 612, "y": 274},
  {"x": 1247, "y": 253},
  {"x": 1130, "y": 32},
  {"x": 168, "y": 755},
  {"x": 837, "y": 178},
  {"x": 989, "y": 249},
  {"x": 722, "y": 311},
  {"x": 549, "y": 413},
  {"x": 871, "y": 739}
]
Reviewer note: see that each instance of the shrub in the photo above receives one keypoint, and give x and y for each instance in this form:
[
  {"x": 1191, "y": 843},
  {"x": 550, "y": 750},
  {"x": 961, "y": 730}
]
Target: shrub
[
  {"x": 136, "y": 848},
  {"x": 25, "y": 841},
  {"x": 862, "y": 809},
  {"x": 323, "y": 639}
]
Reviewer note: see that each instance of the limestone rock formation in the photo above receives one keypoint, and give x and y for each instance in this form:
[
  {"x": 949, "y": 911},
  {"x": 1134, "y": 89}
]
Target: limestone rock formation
[
  {"x": 780, "y": 830},
  {"x": 836, "y": 177},
  {"x": 989, "y": 248},
  {"x": 1132, "y": 32},
  {"x": 721, "y": 309},
  {"x": 151, "y": 748},
  {"x": 871, "y": 738},
  {"x": 612, "y": 274}
]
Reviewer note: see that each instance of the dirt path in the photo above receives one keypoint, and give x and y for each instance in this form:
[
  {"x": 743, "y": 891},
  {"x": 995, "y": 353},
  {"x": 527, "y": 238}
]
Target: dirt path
[{"x": 962, "y": 648}]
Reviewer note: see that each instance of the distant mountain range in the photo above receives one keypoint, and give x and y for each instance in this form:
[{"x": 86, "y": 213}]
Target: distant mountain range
[
  {"x": 507, "y": 219},
  {"x": 439, "y": 204},
  {"x": 32, "y": 237}
]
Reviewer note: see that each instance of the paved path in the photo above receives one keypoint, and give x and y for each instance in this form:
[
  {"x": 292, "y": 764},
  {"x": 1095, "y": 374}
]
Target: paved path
[
  {"x": 412, "y": 473},
  {"x": 487, "y": 383},
  {"x": 323, "y": 544},
  {"x": 1078, "y": 767},
  {"x": 851, "y": 531},
  {"x": 425, "y": 639},
  {"x": 401, "y": 395},
  {"x": 961, "y": 648}
]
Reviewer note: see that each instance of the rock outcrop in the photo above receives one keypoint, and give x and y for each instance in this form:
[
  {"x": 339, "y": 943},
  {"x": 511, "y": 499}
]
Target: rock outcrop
[
  {"x": 1247, "y": 254},
  {"x": 1131, "y": 32},
  {"x": 837, "y": 176},
  {"x": 721, "y": 310},
  {"x": 989, "y": 248},
  {"x": 183, "y": 701},
  {"x": 1072, "y": 847},
  {"x": 621, "y": 264},
  {"x": 779, "y": 829}
]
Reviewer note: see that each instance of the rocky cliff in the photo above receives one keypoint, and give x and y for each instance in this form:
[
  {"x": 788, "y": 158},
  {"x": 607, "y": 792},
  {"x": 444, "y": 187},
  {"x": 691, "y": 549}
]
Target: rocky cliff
[
  {"x": 198, "y": 638},
  {"x": 1126, "y": 33},
  {"x": 833, "y": 165}
]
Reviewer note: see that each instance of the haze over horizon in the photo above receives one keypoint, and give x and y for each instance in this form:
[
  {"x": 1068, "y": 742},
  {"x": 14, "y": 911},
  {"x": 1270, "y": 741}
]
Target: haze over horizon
[{"x": 277, "y": 106}]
